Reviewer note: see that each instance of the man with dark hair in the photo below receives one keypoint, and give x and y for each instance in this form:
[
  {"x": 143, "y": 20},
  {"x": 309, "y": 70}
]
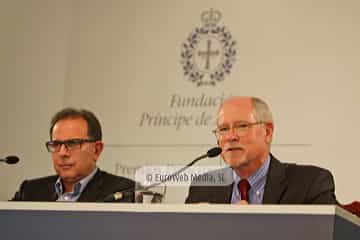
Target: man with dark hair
[
  {"x": 75, "y": 145},
  {"x": 244, "y": 132}
]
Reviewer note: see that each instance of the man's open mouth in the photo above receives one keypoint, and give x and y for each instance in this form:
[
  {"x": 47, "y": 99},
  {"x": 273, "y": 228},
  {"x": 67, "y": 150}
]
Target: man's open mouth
[{"x": 234, "y": 149}]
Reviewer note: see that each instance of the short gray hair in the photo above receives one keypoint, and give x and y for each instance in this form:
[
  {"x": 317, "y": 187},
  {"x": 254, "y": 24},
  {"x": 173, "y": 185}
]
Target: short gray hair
[{"x": 261, "y": 110}]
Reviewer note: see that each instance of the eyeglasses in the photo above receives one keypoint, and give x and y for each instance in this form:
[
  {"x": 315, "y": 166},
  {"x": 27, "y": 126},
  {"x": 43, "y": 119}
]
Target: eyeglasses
[
  {"x": 70, "y": 144},
  {"x": 240, "y": 128}
]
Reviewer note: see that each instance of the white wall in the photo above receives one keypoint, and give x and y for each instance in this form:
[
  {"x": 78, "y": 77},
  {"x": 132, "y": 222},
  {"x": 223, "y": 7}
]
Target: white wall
[
  {"x": 34, "y": 50},
  {"x": 121, "y": 59}
]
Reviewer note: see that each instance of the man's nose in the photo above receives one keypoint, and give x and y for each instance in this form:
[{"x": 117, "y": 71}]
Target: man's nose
[
  {"x": 63, "y": 150},
  {"x": 232, "y": 135}
]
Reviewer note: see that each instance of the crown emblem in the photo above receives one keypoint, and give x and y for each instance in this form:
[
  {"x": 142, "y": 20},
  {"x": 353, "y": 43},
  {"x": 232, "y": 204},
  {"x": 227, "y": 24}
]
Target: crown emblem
[
  {"x": 211, "y": 18},
  {"x": 209, "y": 52}
]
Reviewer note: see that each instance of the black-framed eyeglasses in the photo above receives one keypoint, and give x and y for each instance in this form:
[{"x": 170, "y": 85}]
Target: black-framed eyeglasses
[
  {"x": 70, "y": 144},
  {"x": 240, "y": 128}
]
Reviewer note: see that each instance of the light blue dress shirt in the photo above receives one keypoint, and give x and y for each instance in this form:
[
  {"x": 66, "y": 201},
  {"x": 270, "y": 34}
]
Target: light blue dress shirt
[
  {"x": 257, "y": 182},
  {"x": 77, "y": 189}
]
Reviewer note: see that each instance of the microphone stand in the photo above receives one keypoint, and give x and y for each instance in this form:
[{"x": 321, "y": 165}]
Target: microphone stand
[{"x": 213, "y": 152}]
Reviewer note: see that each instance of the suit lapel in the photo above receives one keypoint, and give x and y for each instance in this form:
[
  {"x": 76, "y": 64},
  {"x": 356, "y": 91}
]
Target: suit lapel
[
  {"x": 223, "y": 194},
  {"x": 276, "y": 183},
  {"x": 92, "y": 191},
  {"x": 50, "y": 194}
]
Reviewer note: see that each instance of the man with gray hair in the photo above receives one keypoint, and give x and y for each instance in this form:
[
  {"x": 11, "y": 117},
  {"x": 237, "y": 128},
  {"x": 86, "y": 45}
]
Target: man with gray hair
[{"x": 244, "y": 131}]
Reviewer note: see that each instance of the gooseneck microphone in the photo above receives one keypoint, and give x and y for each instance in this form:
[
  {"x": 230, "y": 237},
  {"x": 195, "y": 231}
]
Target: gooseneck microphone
[
  {"x": 10, "y": 160},
  {"x": 213, "y": 152}
]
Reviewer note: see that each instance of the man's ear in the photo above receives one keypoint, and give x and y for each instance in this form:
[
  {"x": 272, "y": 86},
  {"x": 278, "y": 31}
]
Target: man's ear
[
  {"x": 269, "y": 130},
  {"x": 99, "y": 146}
]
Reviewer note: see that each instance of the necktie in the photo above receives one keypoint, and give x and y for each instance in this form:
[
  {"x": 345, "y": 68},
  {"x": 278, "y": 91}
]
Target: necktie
[{"x": 244, "y": 187}]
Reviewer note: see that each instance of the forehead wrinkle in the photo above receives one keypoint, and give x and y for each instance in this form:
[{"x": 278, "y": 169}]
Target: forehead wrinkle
[
  {"x": 241, "y": 106},
  {"x": 70, "y": 128}
]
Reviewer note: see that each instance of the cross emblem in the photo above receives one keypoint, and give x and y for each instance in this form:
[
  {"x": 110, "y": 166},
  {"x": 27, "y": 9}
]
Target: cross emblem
[{"x": 207, "y": 54}]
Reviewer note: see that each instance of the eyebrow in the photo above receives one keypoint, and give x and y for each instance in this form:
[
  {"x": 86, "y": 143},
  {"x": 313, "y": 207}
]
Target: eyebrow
[
  {"x": 234, "y": 123},
  {"x": 67, "y": 140}
]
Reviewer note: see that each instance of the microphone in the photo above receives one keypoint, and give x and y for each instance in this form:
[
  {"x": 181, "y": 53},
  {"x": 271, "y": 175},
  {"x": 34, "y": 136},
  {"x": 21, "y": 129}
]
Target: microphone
[
  {"x": 119, "y": 195},
  {"x": 10, "y": 160},
  {"x": 213, "y": 152}
]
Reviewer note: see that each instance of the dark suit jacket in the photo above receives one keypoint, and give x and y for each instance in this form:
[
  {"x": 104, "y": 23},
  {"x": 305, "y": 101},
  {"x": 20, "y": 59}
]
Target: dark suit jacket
[
  {"x": 285, "y": 184},
  {"x": 101, "y": 185}
]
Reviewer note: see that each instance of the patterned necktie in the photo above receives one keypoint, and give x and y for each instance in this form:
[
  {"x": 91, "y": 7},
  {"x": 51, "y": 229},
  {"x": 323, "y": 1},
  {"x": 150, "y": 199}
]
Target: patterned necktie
[{"x": 244, "y": 187}]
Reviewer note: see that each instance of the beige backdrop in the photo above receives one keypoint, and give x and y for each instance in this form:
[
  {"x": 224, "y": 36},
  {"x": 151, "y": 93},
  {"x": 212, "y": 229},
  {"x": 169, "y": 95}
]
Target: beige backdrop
[{"x": 121, "y": 59}]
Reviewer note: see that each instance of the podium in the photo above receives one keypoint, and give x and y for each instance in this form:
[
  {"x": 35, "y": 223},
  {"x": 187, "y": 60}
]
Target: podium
[{"x": 88, "y": 221}]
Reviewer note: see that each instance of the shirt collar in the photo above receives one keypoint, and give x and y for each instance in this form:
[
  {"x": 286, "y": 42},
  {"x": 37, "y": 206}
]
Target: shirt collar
[
  {"x": 78, "y": 187},
  {"x": 256, "y": 177}
]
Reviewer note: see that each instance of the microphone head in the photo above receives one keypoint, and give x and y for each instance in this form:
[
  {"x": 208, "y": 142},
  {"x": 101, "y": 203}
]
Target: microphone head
[
  {"x": 12, "y": 159},
  {"x": 214, "y": 152}
]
